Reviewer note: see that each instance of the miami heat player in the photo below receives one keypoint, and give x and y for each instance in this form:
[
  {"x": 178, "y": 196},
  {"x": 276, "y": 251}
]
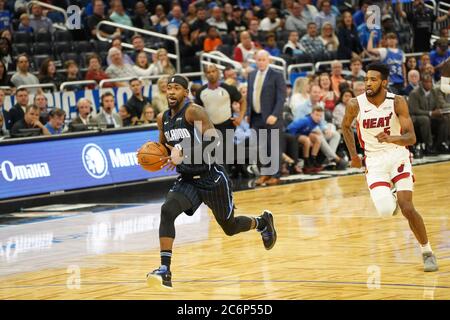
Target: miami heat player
[{"x": 384, "y": 130}]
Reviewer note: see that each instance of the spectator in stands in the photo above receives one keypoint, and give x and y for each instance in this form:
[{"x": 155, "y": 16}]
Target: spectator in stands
[
  {"x": 95, "y": 71},
  {"x": 328, "y": 96},
  {"x": 191, "y": 13},
  {"x": 117, "y": 43},
  {"x": 6, "y": 54},
  {"x": 300, "y": 93},
  {"x": 329, "y": 136},
  {"x": 107, "y": 116},
  {"x": 5, "y": 16},
  {"x": 24, "y": 25},
  {"x": 394, "y": 58},
  {"x": 245, "y": 49},
  {"x": 411, "y": 64},
  {"x": 84, "y": 109},
  {"x": 237, "y": 24},
  {"x": 424, "y": 60},
  {"x": 195, "y": 88},
  {"x": 271, "y": 45},
  {"x": 230, "y": 76},
  {"x": 212, "y": 40},
  {"x": 305, "y": 131},
  {"x": 55, "y": 122},
  {"x": 336, "y": 77},
  {"x": 48, "y": 74},
  {"x": 6, "y": 33},
  {"x": 138, "y": 101},
  {"x": 5, "y": 80},
  {"x": 387, "y": 24},
  {"x": 217, "y": 20},
  {"x": 38, "y": 22},
  {"x": 228, "y": 12},
  {"x": 253, "y": 29},
  {"x": 3, "y": 130},
  {"x": 339, "y": 110},
  {"x": 357, "y": 73},
  {"x": 161, "y": 63},
  {"x": 40, "y": 100},
  {"x": 159, "y": 99},
  {"x": 349, "y": 43},
  {"x": 413, "y": 82},
  {"x": 293, "y": 47},
  {"x": 118, "y": 69},
  {"x": 295, "y": 21},
  {"x": 200, "y": 25},
  {"x": 148, "y": 115},
  {"x": 188, "y": 48},
  {"x": 359, "y": 15},
  {"x": 439, "y": 56},
  {"x": 141, "y": 18},
  {"x": 17, "y": 112},
  {"x": 309, "y": 12},
  {"x": 118, "y": 14},
  {"x": 311, "y": 42},
  {"x": 421, "y": 20},
  {"x": 359, "y": 87},
  {"x": 364, "y": 32},
  {"x": 99, "y": 15},
  {"x": 174, "y": 23},
  {"x": 30, "y": 120},
  {"x": 159, "y": 19},
  {"x": 72, "y": 74},
  {"x": 125, "y": 115},
  {"x": 142, "y": 66},
  {"x": 265, "y": 100},
  {"x": 325, "y": 15},
  {"x": 23, "y": 76},
  {"x": 329, "y": 38},
  {"x": 6, "y": 124},
  {"x": 426, "y": 104},
  {"x": 272, "y": 22}
]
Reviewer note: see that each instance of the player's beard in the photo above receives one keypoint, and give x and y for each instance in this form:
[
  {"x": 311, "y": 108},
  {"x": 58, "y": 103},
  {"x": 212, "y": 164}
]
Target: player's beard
[
  {"x": 374, "y": 93},
  {"x": 174, "y": 102}
]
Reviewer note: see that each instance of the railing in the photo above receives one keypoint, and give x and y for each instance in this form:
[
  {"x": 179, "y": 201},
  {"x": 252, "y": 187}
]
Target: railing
[
  {"x": 442, "y": 8},
  {"x": 49, "y": 6},
  {"x": 301, "y": 66},
  {"x": 74, "y": 83},
  {"x": 175, "y": 56},
  {"x": 40, "y": 85},
  {"x": 218, "y": 57},
  {"x": 415, "y": 54}
]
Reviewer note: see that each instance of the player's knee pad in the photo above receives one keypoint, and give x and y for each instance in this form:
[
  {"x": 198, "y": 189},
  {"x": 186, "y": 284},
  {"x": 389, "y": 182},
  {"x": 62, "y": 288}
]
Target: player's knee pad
[
  {"x": 170, "y": 210},
  {"x": 384, "y": 201}
]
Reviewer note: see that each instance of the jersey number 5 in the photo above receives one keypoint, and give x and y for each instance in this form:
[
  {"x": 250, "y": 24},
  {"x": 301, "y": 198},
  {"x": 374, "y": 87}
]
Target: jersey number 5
[{"x": 387, "y": 130}]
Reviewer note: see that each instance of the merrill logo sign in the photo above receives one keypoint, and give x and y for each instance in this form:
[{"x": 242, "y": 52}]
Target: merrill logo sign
[{"x": 94, "y": 161}]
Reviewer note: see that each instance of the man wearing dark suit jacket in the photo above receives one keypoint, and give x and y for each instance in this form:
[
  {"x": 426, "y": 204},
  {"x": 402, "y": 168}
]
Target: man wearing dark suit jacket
[
  {"x": 265, "y": 100},
  {"x": 17, "y": 112}
]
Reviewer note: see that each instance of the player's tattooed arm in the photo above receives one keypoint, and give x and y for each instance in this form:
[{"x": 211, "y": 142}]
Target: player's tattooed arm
[
  {"x": 408, "y": 136},
  {"x": 351, "y": 112},
  {"x": 197, "y": 116}
]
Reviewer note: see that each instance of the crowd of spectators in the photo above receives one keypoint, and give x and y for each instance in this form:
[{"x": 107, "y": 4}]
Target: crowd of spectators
[{"x": 296, "y": 30}]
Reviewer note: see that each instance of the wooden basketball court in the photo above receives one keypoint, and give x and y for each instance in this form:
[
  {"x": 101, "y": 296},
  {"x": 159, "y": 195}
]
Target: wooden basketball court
[{"x": 331, "y": 245}]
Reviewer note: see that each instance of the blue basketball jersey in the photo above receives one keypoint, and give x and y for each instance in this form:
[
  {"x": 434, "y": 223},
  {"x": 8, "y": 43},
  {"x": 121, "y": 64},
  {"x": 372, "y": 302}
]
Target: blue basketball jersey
[{"x": 395, "y": 62}]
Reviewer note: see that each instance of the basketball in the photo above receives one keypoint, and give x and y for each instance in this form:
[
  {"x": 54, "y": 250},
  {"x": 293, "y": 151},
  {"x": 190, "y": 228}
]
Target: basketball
[{"x": 149, "y": 156}]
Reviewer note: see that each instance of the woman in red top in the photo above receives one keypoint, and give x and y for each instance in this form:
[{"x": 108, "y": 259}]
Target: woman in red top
[
  {"x": 328, "y": 96},
  {"x": 95, "y": 72}
]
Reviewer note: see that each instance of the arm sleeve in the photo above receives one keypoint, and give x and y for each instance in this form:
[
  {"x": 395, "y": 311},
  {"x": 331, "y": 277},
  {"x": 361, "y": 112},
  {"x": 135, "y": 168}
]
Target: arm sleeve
[{"x": 234, "y": 93}]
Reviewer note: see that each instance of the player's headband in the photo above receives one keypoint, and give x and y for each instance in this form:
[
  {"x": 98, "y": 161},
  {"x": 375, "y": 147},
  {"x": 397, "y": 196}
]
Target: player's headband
[{"x": 182, "y": 81}]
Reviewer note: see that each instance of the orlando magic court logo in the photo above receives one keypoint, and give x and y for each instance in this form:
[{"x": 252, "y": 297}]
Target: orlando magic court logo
[{"x": 94, "y": 161}]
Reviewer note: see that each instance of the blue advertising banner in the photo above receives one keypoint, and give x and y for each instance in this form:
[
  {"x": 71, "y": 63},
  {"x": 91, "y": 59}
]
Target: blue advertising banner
[{"x": 67, "y": 164}]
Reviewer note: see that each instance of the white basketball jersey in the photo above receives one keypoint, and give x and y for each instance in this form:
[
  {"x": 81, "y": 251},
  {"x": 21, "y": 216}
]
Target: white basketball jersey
[{"x": 372, "y": 120}]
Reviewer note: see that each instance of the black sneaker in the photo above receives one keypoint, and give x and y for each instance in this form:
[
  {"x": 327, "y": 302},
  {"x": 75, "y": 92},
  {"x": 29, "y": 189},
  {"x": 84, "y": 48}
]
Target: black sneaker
[
  {"x": 268, "y": 234},
  {"x": 161, "y": 276}
]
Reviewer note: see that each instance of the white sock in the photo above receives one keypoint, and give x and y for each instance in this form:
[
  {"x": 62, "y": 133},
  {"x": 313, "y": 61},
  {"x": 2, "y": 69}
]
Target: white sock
[{"x": 426, "y": 247}]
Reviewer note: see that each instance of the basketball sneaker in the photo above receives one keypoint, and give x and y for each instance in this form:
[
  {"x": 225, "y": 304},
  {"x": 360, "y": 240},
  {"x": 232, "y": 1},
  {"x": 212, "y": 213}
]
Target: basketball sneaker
[
  {"x": 161, "y": 276},
  {"x": 268, "y": 234},
  {"x": 429, "y": 262}
]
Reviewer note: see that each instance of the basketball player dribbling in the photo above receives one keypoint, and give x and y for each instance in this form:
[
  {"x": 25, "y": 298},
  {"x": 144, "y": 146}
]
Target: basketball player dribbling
[
  {"x": 205, "y": 182},
  {"x": 385, "y": 129}
]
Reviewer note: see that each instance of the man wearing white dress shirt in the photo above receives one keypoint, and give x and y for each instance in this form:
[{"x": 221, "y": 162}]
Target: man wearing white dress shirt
[{"x": 107, "y": 116}]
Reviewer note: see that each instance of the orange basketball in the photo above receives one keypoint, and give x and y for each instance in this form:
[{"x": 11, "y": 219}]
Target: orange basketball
[{"x": 149, "y": 156}]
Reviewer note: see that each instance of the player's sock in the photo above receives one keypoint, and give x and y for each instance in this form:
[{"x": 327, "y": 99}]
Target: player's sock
[
  {"x": 426, "y": 247},
  {"x": 166, "y": 258},
  {"x": 260, "y": 223}
]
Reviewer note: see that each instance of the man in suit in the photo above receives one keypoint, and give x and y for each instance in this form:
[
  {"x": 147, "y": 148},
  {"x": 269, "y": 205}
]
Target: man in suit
[
  {"x": 17, "y": 112},
  {"x": 107, "y": 116},
  {"x": 265, "y": 100},
  {"x": 426, "y": 104},
  {"x": 84, "y": 108}
]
